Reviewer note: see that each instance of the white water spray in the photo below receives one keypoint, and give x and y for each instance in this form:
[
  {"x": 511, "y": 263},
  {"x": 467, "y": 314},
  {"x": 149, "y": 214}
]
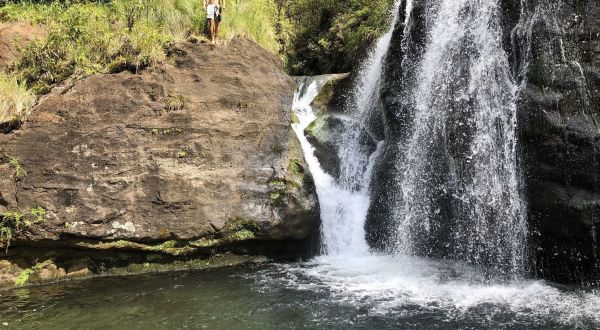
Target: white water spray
[
  {"x": 460, "y": 177},
  {"x": 345, "y": 202},
  {"x": 488, "y": 182}
]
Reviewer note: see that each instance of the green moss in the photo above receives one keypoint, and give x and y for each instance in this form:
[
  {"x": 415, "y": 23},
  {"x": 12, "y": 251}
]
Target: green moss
[
  {"x": 276, "y": 183},
  {"x": 316, "y": 128},
  {"x": 166, "y": 131},
  {"x": 276, "y": 198},
  {"x": 183, "y": 153},
  {"x": 296, "y": 167},
  {"x": 172, "y": 247},
  {"x": 206, "y": 242},
  {"x": 294, "y": 118},
  {"x": 14, "y": 222},
  {"x": 242, "y": 235},
  {"x": 23, "y": 276},
  {"x": 239, "y": 224},
  {"x": 235, "y": 230}
]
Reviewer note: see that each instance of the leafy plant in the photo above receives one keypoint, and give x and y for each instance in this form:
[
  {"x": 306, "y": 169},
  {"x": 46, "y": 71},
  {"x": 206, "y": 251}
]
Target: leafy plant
[
  {"x": 322, "y": 36},
  {"x": 14, "y": 222},
  {"x": 175, "y": 101},
  {"x": 19, "y": 172},
  {"x": 182, "y": 153}
]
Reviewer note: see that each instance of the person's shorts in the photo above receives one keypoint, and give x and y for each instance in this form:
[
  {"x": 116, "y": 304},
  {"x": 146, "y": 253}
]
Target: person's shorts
[{"x": 213, "y": 12}]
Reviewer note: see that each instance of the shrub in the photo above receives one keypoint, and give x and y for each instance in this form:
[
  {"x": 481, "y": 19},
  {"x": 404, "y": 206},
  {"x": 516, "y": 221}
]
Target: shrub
[
  {"x": 15, "y": 99},
  {"x": 19, "y": 172},
  {"x": 329, "y": 35}
]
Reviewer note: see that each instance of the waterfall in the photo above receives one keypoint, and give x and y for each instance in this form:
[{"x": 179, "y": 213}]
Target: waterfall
[
  {"x": 345, "y": 201},
  {"x": 460, "y": 192}
]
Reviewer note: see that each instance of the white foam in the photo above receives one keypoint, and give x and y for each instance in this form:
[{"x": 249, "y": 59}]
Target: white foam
[{"x": 402, "y": 284}]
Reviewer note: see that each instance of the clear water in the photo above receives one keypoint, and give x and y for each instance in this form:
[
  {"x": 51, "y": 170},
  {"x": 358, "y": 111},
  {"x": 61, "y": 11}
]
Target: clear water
[{"x": 369, "y": 292}]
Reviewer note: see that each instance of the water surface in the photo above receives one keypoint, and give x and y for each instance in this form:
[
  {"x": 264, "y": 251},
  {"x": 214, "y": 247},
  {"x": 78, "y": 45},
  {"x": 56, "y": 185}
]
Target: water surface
[{"x": 370, "y": 292}]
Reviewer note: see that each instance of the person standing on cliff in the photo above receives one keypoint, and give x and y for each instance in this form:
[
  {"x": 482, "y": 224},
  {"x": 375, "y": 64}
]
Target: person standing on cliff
[{"x": 214, "y": 8}]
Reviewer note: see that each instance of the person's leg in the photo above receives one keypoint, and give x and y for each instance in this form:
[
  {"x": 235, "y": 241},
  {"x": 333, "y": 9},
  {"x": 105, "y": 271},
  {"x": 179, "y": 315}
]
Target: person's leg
[
  {"x": 212, "y": 30},
  {"x": 217, "y": 22}
]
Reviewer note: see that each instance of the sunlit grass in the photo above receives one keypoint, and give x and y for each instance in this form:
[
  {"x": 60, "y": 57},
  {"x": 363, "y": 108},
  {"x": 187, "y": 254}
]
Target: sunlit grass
[
  {"x": 254, "y": 19},
  {"x": 15, "y": 99},
  {"x": 99, "y": 37}
]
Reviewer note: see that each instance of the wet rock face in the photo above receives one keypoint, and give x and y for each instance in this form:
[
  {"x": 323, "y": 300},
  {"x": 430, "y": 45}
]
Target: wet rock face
[
  {"x": 559, "y": 120},
  {"x": 559, "y": 132},
  {"x": 198, "y": 149}
]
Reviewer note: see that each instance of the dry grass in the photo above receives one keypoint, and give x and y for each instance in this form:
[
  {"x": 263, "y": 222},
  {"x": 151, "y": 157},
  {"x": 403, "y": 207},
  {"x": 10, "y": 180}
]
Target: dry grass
[{"x": 15, "y": 99}]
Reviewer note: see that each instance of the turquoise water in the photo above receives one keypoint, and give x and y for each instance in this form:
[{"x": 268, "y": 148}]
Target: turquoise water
[{"x": 326, "y": 293}]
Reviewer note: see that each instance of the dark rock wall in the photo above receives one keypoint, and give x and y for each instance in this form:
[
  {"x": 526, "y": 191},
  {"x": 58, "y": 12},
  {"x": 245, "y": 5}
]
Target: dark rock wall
[
  {"x": 559, "y": 122},
  {"x": 554, "y": 47}
]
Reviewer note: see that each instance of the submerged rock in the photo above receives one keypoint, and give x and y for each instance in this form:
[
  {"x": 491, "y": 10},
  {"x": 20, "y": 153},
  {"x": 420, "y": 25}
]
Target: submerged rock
[{"x": 154, "y": 162}]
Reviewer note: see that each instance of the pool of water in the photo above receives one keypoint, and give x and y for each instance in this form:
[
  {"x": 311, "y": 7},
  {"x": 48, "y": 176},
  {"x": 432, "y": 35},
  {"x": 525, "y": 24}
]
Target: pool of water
[{"x": 370, "y": 292}]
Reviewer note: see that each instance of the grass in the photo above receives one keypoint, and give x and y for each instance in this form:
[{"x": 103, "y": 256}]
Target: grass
[
  {"x": 175, "y": 101},
  {"x": 112, "y": 36},
  {"x": 15, "y": 99},
  {"x": 254, "y": 19}
]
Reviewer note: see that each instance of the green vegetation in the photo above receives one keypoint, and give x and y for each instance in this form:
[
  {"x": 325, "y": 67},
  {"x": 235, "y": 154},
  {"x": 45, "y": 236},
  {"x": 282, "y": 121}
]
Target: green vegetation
[
  {"x": 23, "y": 277},
  {"x": 19, "y": 171},
  {"x": 110, "y": 36},
  {"x": 325, "y": 36},
  {"x": 15, "y": 98},
  {"x": 296, "y": 167},
  {"x": 183, "y": 153},
  {"x": 166, "y": 131},
  {"x": 174, "y": 102},
  {"x": 86, "y": 38},
  {"x": 14, "y": 222},
  {"x": 91, "y": 37}
]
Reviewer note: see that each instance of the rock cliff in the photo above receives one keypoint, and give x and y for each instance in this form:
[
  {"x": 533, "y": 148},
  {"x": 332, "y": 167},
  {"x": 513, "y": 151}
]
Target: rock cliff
[
  {"x": 560, "y": 138},
  {"x": 195, "y": 156}
]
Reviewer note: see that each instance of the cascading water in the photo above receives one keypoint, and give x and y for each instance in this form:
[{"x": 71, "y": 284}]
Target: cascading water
[
  {"x": 460, "y": 188},
  {"x": 344, "y": 202},
  {"x": 340, "y": 208},
  {"x": 460, "y": 224}
]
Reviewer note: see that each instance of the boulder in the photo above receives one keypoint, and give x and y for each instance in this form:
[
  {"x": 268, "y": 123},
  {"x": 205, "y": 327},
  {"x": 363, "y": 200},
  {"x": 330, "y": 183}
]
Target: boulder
[{"x": 192, "y": 155}]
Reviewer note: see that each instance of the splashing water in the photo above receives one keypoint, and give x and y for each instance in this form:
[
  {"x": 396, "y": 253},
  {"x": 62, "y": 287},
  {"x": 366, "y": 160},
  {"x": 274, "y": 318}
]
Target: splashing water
[
  {"x": 345, "y": 202},
  {"x": 341, "y": 210},
  {"x": 460, "y": 190},
  {"x": 461, "y": 193}
]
